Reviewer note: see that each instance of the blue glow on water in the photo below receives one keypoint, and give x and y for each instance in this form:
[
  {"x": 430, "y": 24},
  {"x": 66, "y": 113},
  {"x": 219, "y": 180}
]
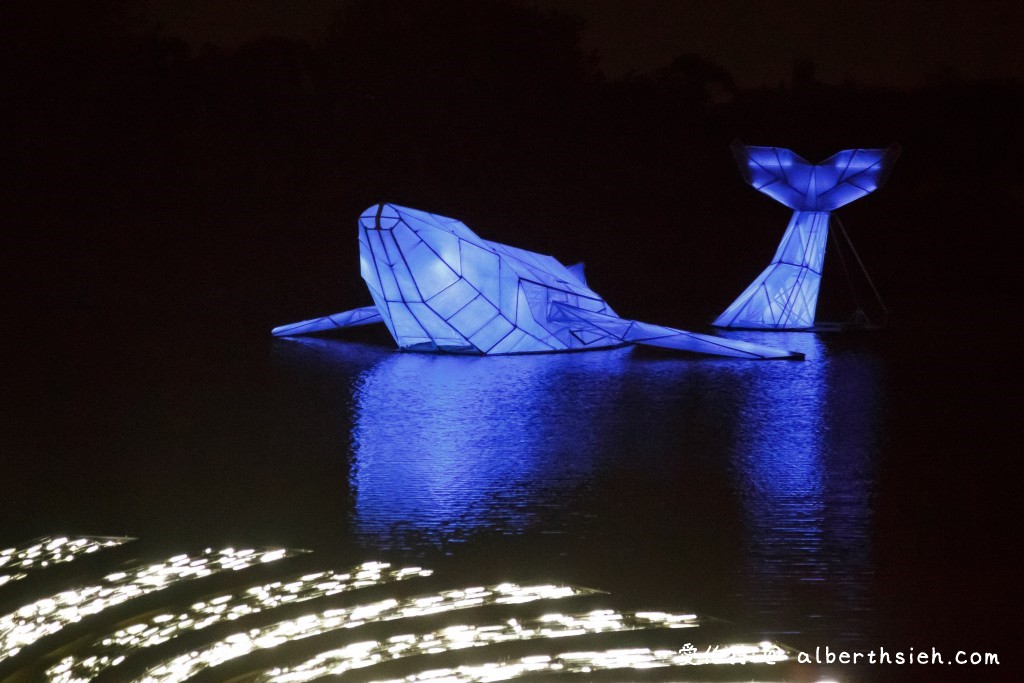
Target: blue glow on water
[
  {"x": 445, "y": 446},
  {"x": 759, "y": 473},
  {"x": 803, "y": 461}
]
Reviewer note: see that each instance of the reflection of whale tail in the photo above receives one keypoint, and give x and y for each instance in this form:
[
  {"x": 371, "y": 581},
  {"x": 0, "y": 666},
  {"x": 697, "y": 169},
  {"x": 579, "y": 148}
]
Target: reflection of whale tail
[{"x": 785, "y": 294}]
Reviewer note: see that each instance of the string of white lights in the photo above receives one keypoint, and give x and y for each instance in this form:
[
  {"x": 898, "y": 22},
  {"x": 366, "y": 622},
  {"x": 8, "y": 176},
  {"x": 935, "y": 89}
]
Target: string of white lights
[
  {"x": 587, "y": 662},
  {"x": 111, "y": 650},
  {"x": 185, "y": 666},
  {"x": 368, "y": 653},
  {"x": 49, "y": 615},
  {"x": 17, "y": 562}
]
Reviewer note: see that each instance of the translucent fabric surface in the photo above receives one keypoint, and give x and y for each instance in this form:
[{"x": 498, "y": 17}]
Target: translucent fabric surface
[
  {"x": 634, "y": 332},
  {"x": 785, "y": 294},
  {"x": 366, "y": 315},
  {"x": 439, "y": 287},
  {"x": 803, "y": 186}
]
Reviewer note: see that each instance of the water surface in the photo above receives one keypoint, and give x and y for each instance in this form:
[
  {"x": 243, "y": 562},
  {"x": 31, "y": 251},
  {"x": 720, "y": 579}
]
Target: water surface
[{"x": 816, "y": 502}]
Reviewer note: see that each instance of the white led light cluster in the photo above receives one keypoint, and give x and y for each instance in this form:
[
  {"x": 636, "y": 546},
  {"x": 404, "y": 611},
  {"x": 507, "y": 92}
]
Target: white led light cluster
[
  {"x": 49, "y": 615},
  {"x": 185, "y": 666},
  {"x": 17, "y": 562},
  {"x": 586, "y": 662},
  {"x": 368, "y": 653},
  {"x": 109, "y": 651}
]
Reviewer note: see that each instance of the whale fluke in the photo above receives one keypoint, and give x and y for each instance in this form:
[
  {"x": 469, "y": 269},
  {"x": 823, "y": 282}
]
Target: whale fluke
[{"x": 785, "y": 295}]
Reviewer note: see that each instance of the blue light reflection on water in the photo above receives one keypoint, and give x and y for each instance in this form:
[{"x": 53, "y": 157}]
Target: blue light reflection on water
[
  {"x": 803, "y": 458},
  {"x": 444, "y": 446},
  {"x": 445, "y": 449}
]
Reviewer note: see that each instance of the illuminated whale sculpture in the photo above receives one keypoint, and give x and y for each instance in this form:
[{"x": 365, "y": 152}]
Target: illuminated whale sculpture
[
  {"x": 438, "y": 287},
  {"x": 785, "y": 295}
]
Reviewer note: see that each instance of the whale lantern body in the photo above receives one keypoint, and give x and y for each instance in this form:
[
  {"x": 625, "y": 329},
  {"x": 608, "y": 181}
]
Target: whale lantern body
[
  {"x": 785, "y": 295},
  {"x": 438, "y": 287}
]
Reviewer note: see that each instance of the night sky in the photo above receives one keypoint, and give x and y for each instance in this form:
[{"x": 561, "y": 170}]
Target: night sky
[
  {"x": 149, "y": 137},
  {"x": 901, "y": 44}
]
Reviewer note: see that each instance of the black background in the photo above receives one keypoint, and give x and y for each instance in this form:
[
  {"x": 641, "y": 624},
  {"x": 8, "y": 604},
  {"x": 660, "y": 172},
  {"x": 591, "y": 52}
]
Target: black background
[{"x": 159, "y": 194}]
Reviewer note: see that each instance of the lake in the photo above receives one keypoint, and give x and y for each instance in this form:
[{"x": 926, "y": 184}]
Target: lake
[{"x": 856, "y": 499}]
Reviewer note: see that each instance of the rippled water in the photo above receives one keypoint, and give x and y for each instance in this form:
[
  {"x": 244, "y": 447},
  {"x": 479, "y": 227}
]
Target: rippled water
[
  {"x": 617, "y": 448},
  {"x": 784, "y": 497}
]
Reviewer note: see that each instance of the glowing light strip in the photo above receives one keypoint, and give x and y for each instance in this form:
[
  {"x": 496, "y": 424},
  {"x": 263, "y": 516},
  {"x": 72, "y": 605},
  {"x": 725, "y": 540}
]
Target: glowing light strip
[
  {"x": 49, "y": 615},
  {"x": 368, "y": 653},
  {"x": 111, "y": 650},
  {"x": 185, "y": 666},
  {"x": 586, "y": 662},
  {"x": 18, "y": 561}
]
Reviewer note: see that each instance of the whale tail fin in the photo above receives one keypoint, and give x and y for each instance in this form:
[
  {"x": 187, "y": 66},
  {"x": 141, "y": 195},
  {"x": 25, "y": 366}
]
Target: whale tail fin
[
  {"x": 785, "y": 294},
  {"x": 367, "y": 315},
  {"x": 792, "y": 180}
]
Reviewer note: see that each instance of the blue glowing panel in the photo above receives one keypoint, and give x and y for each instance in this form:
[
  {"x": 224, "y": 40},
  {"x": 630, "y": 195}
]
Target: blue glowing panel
[
  {"x": 366, "y": 315},
  {"x": 633, "y": 332},
  {"x": 439, "y": 287},
  {"x": 785, "y": 295},
  {"x": 803, "y": 186}
]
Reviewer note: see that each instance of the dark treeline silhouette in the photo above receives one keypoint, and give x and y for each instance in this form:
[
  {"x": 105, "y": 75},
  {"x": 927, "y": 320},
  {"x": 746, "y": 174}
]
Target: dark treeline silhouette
[{"x": 171, "y": 186}]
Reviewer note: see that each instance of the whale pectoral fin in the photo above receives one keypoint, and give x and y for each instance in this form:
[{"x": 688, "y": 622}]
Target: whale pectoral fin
[
  {"x": 694, "y": 342},
  {"x": 577, "y": 270},
  {"x": 367, "y": 315},
  {"x": 636, "y": 332}
]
